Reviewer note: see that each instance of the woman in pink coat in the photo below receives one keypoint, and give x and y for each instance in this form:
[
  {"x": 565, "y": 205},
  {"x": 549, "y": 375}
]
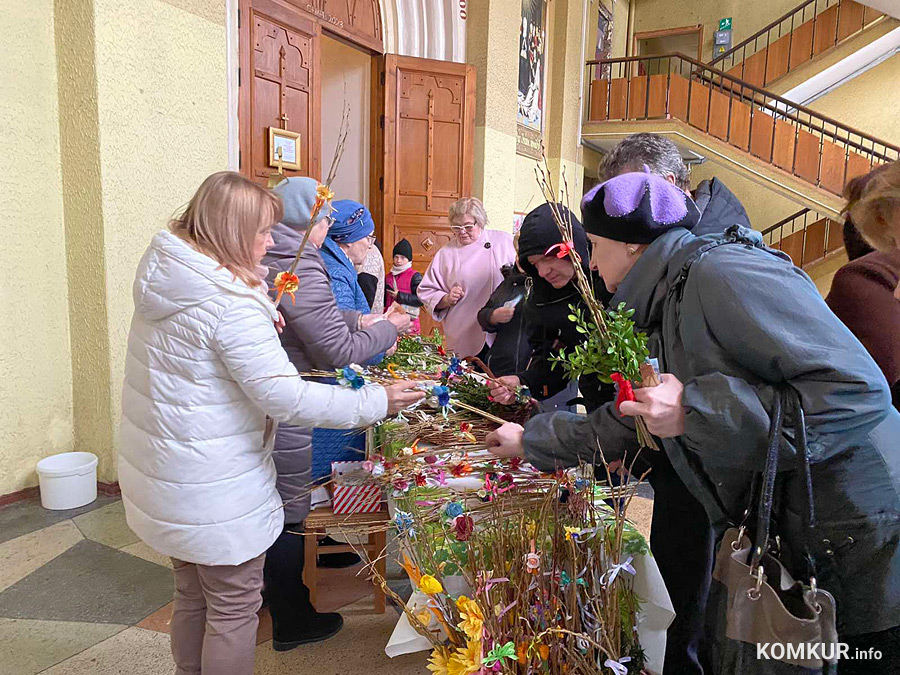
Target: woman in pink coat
[{"x": 463, "y": 275}]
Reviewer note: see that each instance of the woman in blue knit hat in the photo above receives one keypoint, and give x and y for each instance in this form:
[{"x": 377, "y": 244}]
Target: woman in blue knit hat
[{"x": 734, "y": 325}]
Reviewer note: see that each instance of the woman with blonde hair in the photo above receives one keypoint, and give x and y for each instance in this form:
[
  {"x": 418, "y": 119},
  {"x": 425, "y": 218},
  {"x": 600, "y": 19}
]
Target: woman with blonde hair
[
  {"x": 463, "y": 275},
  {"x": 876, "y": 212},
  {"x": 206, "y": 381}
]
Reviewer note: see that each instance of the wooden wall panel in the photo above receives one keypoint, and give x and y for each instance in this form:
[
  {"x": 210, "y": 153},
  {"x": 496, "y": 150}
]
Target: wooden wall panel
[
  {"x": 638, "y": 98},
  {"x": 739, "y": 126},
  {"x": 825, "y": 30},
  {"x": 618, "y": 98},
  {"x": 857, "y": 165},
  {"x": 678, "y": 97},
  {"x": 599, "y": 99},
  {"x": 850, "y": 19},
  {"x": 814, "y": 247},
  {"x": 762, "y": 126},
  {"x": 801, "y": 45},
  {"x": 806, "y": 161},
  {"x": 833, "y": 165},
  {"x": 779, "y": 57},
  {"x": 657, "y": 107},
  {"x": 783, "y": 150}
]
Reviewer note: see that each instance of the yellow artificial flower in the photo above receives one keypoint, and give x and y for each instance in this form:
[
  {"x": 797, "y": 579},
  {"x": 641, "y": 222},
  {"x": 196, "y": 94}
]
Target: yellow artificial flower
[
  {"x": 466, "y": 660},
  {"x": 430, "y": 586},
  {"x": 570, "y": 531},
  {"x": 437, "y": 664},
  {"x": 472, "y": 623},
  {"x": 425, "y": 616},
  {"x": 530, "y": 528},
  {"x": 324, "y": 193}
]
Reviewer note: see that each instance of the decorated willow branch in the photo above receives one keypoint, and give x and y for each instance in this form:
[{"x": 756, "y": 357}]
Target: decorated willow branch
[
  {"x": 288, "y": 282},
  {"x": 611, "y": 348}
]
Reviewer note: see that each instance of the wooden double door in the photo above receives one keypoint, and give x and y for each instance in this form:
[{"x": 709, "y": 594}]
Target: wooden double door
[{"x": 422, "y": 121}]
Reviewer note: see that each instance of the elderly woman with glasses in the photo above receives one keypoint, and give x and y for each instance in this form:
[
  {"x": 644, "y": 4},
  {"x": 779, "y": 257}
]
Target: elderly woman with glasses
[{"x": 463, "y": 275}]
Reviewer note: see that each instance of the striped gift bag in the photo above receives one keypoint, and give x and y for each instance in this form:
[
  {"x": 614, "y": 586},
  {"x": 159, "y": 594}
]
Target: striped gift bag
[{"x": 349, "y": 499}]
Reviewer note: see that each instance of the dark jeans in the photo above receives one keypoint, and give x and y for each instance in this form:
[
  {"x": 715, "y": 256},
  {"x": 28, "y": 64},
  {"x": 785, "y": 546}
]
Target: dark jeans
[
  {"x": 683, "y": 544},
  {"x": 288, "y": 597}
]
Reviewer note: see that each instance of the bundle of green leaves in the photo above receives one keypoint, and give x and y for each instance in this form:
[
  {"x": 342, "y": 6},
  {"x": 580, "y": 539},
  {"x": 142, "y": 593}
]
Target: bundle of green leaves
[{"x": 620, "y": 350}]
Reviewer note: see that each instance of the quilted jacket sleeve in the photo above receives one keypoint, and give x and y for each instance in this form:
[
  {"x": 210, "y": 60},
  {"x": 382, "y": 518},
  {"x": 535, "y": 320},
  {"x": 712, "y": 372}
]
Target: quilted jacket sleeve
[
  {"x": 323, "y": 328},
  {"x": 247, "y": 343}
]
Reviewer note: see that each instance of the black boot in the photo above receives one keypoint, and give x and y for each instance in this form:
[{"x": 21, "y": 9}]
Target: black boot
[
  {"x": 336, "y": 560},
  {"x": 294, "y": 620}
]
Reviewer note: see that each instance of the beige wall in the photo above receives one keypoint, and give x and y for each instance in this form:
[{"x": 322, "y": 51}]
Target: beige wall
[
  {"x": 504, "y": 179},
  {"x": 749, "y": 17},
  {"x": 35, "y": 359},
  {"x": 346, "y": 72},
  {"x": 869, "y": 102}
]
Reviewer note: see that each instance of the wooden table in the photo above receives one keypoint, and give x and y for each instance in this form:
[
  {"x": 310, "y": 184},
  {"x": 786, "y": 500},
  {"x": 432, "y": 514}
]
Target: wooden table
[{"x": 320, "y": 520}]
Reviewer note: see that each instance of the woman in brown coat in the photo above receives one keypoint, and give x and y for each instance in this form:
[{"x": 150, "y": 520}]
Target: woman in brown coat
[{"x": 862, "y": 293}]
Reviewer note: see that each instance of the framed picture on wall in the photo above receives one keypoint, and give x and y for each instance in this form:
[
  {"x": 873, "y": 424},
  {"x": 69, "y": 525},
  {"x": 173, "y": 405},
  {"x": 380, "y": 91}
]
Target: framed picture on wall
[
  {"x": 286, "y": 145},
  {"x": 531, "y": 94}
]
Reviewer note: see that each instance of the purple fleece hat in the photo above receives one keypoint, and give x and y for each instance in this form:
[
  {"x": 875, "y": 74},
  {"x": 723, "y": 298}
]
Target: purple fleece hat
[{"x": 636, "y": 208}]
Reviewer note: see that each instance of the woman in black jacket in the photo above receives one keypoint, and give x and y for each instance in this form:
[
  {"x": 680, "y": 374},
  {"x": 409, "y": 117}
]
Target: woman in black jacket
[{"x": 547, "y": 306}]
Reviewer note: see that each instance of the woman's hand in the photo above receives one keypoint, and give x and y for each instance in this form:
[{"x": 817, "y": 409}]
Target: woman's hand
[
  {"x": 391, "y": 351},
  {"x": 502, "y": 315},
  {"x": 506, "y": 441},
  {"x": 660, "y": 407},
  {"x": 398, "y": 316},
  {"x": 456, "y": 294},
  {"x": 402, "y": 395},
  {"x": 279, "y": 323},
  {"x": 503, "y": 389}
]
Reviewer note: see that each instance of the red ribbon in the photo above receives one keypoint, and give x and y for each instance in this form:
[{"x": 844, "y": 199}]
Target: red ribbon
[
  {"x": 565, "y": 248},
  {"x": 624, "y": 389}
]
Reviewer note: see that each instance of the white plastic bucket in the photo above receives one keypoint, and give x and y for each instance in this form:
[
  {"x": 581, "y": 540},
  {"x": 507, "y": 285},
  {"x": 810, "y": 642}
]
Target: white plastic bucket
[{"x": 68, "y": 480}]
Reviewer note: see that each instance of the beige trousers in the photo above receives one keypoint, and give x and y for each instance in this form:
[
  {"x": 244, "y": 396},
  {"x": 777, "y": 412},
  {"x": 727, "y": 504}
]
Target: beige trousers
[{"x": 214, "y": 620}]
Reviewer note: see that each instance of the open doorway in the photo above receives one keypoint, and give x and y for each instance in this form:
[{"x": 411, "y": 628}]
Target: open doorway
[
  {"x": 346, "y": 76},
  {"x": 687, "y": 40}
]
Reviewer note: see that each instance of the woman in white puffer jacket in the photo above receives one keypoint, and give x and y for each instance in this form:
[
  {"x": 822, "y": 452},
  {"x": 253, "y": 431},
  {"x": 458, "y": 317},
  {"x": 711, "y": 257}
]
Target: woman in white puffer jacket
[{"x": 206, "y": 380}]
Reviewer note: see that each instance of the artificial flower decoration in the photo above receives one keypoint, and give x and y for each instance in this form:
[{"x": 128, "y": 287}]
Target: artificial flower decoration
[
  {"x": 544, "y": 652},
  {"x": 624, "y": 389},
  {"x": 618, "y": 667},
  {"x": 532, "y": 560},
  {"x": 437, "y": 664},
  {"x": 464, "y": 527},
  {"x": 324, "y": 194},
  {"x": 562, "y": 250},
  {"x": 610, "y": 576},
  {"x": 498, "y": 653},
  {"x": 392, "y": 371},
  {"x": 572, "y": 533},
  {"x": 403, "y": 521},
  {"x": 453, "y": 509},
  {"x": 466, "y": 660},
  {"x": 287, "y": 283},
  {"x": 443, "y": 395},
  {"x": 349, "y": 377},
  {"x": 472, "y": 623},
  {"x": 429, "y": 585},
  {"x": 460, "y": 469}
]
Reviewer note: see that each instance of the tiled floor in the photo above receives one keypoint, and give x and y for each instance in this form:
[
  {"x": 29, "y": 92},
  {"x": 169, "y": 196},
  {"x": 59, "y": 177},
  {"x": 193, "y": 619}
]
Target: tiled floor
[{"x": 81, "y": 595}]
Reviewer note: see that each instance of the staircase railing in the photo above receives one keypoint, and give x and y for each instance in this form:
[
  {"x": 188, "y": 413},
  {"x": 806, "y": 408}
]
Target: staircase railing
[
  {"x": 796, "y": 139},
  {"x": 808, "y": 30},
  {"x": 806, "y": 236}
]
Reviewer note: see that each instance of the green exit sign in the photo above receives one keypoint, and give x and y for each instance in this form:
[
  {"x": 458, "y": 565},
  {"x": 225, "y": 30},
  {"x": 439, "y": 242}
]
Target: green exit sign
[{"x": 725, "y": 24}]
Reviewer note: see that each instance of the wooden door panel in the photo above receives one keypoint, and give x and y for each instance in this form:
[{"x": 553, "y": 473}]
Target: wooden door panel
[
  {"x": 279, "y": 85},
  {"x": 424, "y": 153}
]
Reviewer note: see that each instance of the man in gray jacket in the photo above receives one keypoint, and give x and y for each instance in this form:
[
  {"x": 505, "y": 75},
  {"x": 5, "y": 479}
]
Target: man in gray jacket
[{"x": 316, "y": 336}]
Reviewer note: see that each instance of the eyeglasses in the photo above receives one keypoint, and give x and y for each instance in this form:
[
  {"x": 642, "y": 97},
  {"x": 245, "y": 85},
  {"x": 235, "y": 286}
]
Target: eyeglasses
[
  {"x": 462, "y": 228},
  {"x": 370, "y": 239}
]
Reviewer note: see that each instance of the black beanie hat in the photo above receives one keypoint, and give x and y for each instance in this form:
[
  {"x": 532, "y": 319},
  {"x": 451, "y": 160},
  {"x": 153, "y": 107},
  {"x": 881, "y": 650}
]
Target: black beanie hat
[
  {"x": 403, "y": 248},
  {"x": 636, "y": 208}
]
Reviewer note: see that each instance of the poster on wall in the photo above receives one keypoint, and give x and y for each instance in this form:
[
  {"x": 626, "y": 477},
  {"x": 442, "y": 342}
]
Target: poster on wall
[{"x": 532, "y": 44}]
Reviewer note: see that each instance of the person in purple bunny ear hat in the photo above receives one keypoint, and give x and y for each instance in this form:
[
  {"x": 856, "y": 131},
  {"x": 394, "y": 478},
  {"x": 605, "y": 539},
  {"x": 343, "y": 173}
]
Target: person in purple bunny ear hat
[{"x": 732, "y": 322}]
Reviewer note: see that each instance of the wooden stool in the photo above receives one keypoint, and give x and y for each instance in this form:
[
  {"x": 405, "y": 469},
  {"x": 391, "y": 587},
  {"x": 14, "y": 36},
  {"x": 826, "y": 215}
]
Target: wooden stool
[{"x": 321, "y": 519}]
